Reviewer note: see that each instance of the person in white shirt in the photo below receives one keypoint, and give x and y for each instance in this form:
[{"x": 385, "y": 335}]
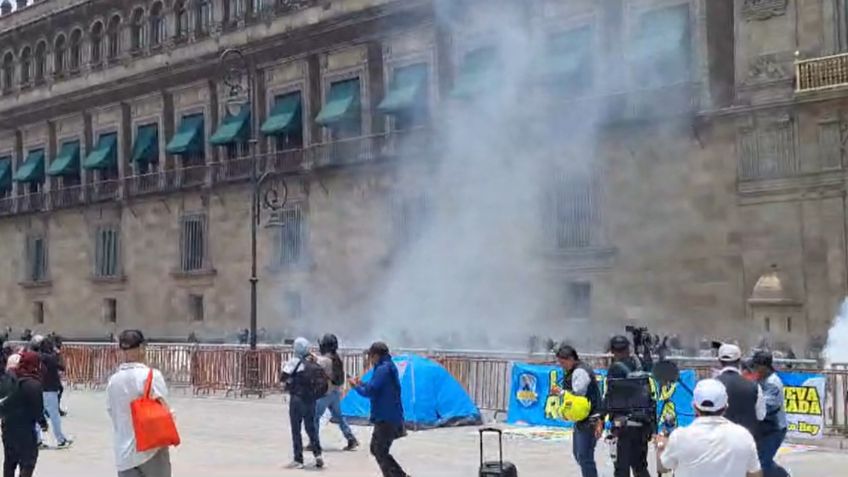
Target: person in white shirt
[
  {"x": 711, "y": 446},
  {"x": 125, "y": 386}
]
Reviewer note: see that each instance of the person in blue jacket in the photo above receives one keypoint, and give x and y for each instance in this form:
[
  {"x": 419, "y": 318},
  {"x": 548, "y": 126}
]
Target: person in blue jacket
[{"x": 383, "y": 390}]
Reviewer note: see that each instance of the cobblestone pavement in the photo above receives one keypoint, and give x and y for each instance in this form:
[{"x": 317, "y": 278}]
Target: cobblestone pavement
[{"x": 250, "y": 438}]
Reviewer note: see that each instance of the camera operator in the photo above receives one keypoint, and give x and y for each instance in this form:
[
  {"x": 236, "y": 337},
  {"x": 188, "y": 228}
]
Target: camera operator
[
  {"x": 580, "y": 381},
  {"x": 633, "y": 433},
  {"x": 747, "y": 405}
]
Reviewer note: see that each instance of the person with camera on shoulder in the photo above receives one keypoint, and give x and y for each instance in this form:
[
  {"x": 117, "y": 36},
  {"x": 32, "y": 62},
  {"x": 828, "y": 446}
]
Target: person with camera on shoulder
[
  {"x": 581, "y": 396},
  {"x": 632, "y": 429}
]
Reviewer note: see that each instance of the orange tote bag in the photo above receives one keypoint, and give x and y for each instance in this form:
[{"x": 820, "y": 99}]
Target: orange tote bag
[{"x": 152, "y": 421}]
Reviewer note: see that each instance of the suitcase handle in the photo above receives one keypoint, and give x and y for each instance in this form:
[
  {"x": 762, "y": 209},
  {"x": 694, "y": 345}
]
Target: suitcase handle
[{"x": 499, "y": 432}]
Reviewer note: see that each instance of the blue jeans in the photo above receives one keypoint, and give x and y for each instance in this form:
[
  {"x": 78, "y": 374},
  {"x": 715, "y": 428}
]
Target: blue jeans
[
  {"x": 767, "y": 446},
  {"x": 333, "y": 402},
  {"x": 584, "y": 442},
  {"x": 51, "y": 407}
]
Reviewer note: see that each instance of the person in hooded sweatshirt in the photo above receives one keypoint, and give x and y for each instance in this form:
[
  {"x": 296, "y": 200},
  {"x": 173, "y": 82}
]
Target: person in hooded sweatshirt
[
  {"x": 301, "y": 404},
  {"x": 22, "y": 413}
]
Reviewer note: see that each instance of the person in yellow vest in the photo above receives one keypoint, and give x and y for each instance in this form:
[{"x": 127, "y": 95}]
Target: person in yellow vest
[{"x": 581, "y": 405}]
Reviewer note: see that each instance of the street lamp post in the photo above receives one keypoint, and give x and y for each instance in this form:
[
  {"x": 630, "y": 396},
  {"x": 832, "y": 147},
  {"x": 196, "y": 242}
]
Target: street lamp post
[{"x": 235, "y": 70}]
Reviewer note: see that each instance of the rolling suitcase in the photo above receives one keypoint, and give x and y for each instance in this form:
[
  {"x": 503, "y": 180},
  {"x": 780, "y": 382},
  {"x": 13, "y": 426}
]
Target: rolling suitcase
[{"x": 497, "y": 468}]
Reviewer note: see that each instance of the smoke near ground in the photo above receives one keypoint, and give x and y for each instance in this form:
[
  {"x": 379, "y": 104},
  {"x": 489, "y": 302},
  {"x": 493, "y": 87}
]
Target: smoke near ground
[{"x": 836, "y": 350}]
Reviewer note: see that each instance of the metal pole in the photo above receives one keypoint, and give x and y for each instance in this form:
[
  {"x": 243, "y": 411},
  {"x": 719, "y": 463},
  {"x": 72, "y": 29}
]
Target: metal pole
[{"x": 254, "y": 208}]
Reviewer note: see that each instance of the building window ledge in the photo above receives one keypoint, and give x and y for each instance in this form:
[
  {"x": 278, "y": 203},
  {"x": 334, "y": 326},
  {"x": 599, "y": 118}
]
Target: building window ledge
[
  {"x": 187, "y": 275},
  {"x": 109, "y": 280},
  {"x": 36, "y": 284}
]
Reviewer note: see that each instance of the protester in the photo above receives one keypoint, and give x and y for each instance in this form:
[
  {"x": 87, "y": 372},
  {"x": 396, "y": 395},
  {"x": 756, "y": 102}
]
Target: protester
[
  {"x": 580, "y": 380},
  {"x": 125, "y": 386},
  {"x": 297, "y": 375},
  {"x": 52, "y": 365},
  {"x": 334, "y": 367},
  {"x": 772, "y": 429},
  {"x": 384, "y": 392},
  {"x": 746, "y": 404},
  {"x": 632, "y": 435},
  {"x": 712, "y": 446},
  {"x": 23, "y": 411}
]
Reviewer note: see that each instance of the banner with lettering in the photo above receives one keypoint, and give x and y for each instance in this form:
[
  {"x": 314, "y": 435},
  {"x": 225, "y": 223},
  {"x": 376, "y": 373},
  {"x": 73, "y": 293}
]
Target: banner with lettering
[
  {"x": 804, "y": 394},
  {"x": 532, "y": 403}
]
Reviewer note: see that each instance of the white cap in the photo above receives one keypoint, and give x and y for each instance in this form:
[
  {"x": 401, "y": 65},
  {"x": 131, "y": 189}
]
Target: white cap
[
  {"x": 12, "y": 362},
  {"x": 729, "y": 353},
  {"x": 710, "y": 395}
]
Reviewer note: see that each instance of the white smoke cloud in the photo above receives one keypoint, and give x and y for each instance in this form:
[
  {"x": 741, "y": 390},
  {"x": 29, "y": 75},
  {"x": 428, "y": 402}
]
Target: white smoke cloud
[{"x": 836, "y": 350}]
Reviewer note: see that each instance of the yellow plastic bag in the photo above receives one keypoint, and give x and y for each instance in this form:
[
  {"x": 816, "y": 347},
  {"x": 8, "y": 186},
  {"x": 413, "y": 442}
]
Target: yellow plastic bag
[{"x": 574, "y": 408}]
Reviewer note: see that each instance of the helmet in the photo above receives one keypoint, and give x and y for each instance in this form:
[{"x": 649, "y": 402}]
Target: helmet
[
  {"x": 574, "y": 408},
  {"x": 329, "y": 343},
  {"x": 619, "y": 343}
]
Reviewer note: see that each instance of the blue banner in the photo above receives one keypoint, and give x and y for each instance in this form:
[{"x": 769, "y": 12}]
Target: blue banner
[{"x": 531, "y": 401}]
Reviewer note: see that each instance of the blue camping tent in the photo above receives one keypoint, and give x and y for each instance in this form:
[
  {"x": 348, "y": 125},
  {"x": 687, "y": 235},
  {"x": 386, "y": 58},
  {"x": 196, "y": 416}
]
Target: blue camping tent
[{"x": 431, "y": 396}]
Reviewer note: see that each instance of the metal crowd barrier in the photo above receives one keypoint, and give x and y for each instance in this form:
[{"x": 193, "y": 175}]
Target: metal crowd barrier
[{"x": 234, "y": 369}]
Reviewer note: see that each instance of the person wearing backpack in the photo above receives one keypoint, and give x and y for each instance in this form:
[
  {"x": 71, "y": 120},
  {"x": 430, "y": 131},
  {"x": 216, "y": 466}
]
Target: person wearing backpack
[
  {"x": 305, "y": 381},
  {"x": 22, "y": 410},
  {"x": 334, "y": 367}
]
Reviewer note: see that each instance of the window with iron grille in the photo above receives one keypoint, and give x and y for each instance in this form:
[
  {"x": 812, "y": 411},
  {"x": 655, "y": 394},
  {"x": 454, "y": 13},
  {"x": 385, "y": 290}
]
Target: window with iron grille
[
  {"x": 579, "y": 299},
  {"x": 292, "y": 236},
  {"x": 193, "y": 243},
  {"x": 110, "y": 310},
  {"x": 107, "y": 250},
  {"x": 573, "y": 215},
  {"x": 38, "y": 312},
  {"x": 196, "y": 308},
  {"x": 36, "y": 259}
]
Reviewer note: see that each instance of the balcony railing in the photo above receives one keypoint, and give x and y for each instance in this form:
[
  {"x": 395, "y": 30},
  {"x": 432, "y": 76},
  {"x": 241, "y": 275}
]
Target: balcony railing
[
  {"x": 818, "y": 74},
  {"x": 7, "y": 206},
  {"x": 345, "y": 151},
  {"x": 233, "y": 170},
  {"x": 66, "y": 197},
  {"x": 144, "y": 184},
  {"x": 30, "y": 203}
]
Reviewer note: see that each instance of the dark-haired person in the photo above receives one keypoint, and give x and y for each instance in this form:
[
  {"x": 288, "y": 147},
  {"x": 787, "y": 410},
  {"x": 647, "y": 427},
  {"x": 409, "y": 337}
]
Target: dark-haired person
[
  {"x": 771, "y": 431},
  {"x": 21, "y": 414},
  {"x": 712, "y": 446},
  {"x": 383, "y": 390},
  {"x": 52, "y": 367},
  {"x": 330, "y": 360},
  {"x": 580, "y": 380},
  {"x": 125, "y": 386},
  {"x": 632, "y": 435}
]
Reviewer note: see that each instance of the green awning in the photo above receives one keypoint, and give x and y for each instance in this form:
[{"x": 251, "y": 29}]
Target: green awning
[
  {"x": 32, "y": 170},
  {"x": 407, "y": 88},
  {"x": 342, "y": 103},
  {"x": 189, "y": 137},
  {"x": 5, "y": 173},
  {"x": 146, "y": 147},
  {"x": 477, "y": 74},
  {"x": 105, "y": 155},
  {"x": 67, "y": 161},
  {"x": 285, "y": 117},
  {"x": 569, "y": 53},
  {"x": 234, "y": 129}
]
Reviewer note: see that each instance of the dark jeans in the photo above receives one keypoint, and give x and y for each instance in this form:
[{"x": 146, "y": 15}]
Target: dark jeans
[
  {"x": 632, "y": 450},
  {"x": 302, "y": 414},
  {"x": 384, "y": 435},
  {"x": 767, "y": 446},
  {"x": 584, "y": 442},
  {"x": 20, "y": 449}
]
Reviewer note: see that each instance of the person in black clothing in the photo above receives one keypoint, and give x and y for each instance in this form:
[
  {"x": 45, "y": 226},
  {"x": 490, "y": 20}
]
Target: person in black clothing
[
  {"x": 632, "y": 435},
  {"x": 301, "y": 404},
  {"x": 22, "y": 413},
  {"x": 746, "y": 403},
  {"x": 53, "y": 365},
  {"x": 580, "y": 380}
]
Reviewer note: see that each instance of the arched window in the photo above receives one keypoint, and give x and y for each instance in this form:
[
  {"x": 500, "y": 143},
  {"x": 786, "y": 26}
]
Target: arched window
[
  {"x": 97, "y": 43},
  {"x": 8, "y": 71},
  {"x": 40, "y": 61},
  {"x": 113, "y": 34},
  {"x": 59, "y": 49},
  {"x": 157, "y": 25},
  {"x": 26, "y": 65},
  {"x": 203, "y": 16},
  {"x": 181, "y": 16},
  {"x": 75, "y": 50},
  {"x": 137, "y": 29}
]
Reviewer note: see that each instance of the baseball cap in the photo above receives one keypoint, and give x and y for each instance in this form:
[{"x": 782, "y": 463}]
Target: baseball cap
[
  {"x": 710, "y": 395},
  {"x": 130, "y": 339},
  {"x": 619, "y": 343},
  {"x": 729, "y": 353},
  {"x": 763, "y": 358}
]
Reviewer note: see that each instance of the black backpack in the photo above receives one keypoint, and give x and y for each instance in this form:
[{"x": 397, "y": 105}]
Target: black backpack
[
  {"x": 311, "y": 383},
  {"x": 338, "y": 377},
  {"x": 9, "y": 387}
]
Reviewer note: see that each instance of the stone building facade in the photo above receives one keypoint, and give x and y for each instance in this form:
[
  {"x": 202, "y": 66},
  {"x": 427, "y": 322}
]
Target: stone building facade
[{"x": 714, "y": 205}]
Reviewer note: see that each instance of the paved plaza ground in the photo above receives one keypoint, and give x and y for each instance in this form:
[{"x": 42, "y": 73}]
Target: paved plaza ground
[{"x": 250, "y": 438}]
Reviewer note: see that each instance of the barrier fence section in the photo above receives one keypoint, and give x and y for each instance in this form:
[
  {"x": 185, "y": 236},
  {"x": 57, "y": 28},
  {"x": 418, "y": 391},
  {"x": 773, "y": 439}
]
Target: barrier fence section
[{"x": 206, "y": 369}]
